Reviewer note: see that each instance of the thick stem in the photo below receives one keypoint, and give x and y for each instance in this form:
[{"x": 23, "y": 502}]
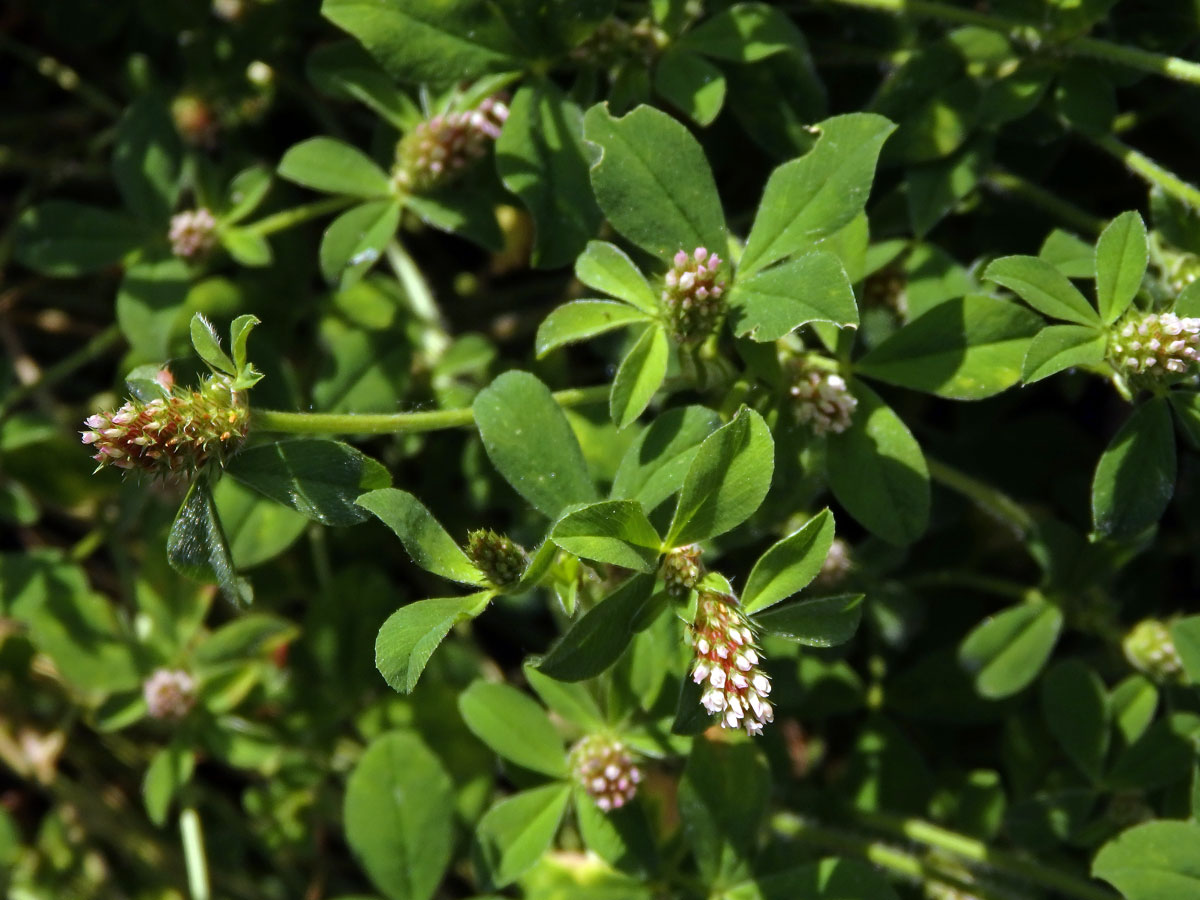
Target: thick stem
[
  {"x": 1147, "y": 169},
  {"x": 193, "y": 854},
  {"x": 984, "y": 496},
  {"x": 289, "y": 218},
  {"x": 1143, "y": 60},
  {"x": 396, "y": 423}
]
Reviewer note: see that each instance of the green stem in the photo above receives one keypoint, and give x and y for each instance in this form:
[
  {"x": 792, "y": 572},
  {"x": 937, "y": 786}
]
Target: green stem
[
  {"x": 1006, "y": 182},
  {"x": 1156, "y": 63},
  {"x": 975, "y": 850},
  {"x": 983, "y": 495},
  {"x": 885, "y": 856},
  {"x": 396, "y": 423},
  {"x": 1147, "y": 169},
  {"x": 289, "y": 218},
  {"x": 193, "y": 853},
  {"x": 100, "y": 344},
  {"x": 62, "y": 75}
]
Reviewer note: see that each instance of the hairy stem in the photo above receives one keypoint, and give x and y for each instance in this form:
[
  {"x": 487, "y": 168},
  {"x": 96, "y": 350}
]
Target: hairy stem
[
  {"x": 1143, "y": 60},
  {"x": 1147, "y": 169},
  {"x": 983, "y": 495},
  {"x": 1065, "y": 883},
  {"x": 396, "y": 423},
  {"x": 290, "y": 218},
  {"x": 1005, "y": 182}
]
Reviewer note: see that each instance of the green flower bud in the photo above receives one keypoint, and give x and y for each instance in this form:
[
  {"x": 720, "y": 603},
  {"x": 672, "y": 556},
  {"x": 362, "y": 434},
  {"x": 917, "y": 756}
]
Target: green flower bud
[{"x": 501, "y": 560}]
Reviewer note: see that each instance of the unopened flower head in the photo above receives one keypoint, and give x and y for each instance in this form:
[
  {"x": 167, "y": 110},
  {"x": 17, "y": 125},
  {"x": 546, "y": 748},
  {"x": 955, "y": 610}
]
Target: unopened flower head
[
  {"x": 179, "y": 431},
  {"x": 193, "y": 233},
  {"x": 1158, "y": 344},
  {"x": 836, "y": 566},
  {"x": 441, "y": 149},
  {"x": 615, "y": 41},
  {"x": 605, "y": 769},
  {"x": 501, "y": 560},
  {"x": 693, "y": 295},
  {"x": 195, "y": 118},
  {"x": 820, "y": 399},
  {"x": 1149, "y": 649},
  {"x": 726, "y": 663},
  {"x": 169, "y": 693},
  {"x": 681, "y": 570}
]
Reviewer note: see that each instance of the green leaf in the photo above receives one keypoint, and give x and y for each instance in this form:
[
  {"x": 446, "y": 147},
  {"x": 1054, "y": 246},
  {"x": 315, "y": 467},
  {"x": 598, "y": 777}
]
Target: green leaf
[
  {"x": 64, "y": 239},
  {"x": 151, "y": 304},
  {"x": 169, "y": 771},
  {"x": 746, "y": 32},
  {"x": 606, "y": 267},
  {"x": 640, "y": 376},
  {"x": 963, "y": 349},
  {"x": 829, "y": 879},
  {"x": 417, "y": 41},
  {"x": 530, "y": 442},
  {"x": 540, "y": 157},
  {"x": 1122, "y": 254},
  {"x": 146, "y": 160},
  {"x": 1153, "y": 861},
  {"x": 1186, "y": 405},
  {"x": 653, "y": 182},
  {"x": 462, "y": 209},
  {"x": 329, "y": 165},
  {"x": 1059, "y": 347},
  {"x": 80, "y": 632},
  {"x": 514, "y": 726},
  {"x": 1133, "y": 703},
  {"x": 594, "y": 642},
  {"x": 878, "y": 472},
  {"x": 936, "y": 187},
  {"x": 812, "y": 288},
  {"x": 1006, "y": 652},
  {"x": 570, "y": 700},
  {"x": 344, "y": 70},
  {"x": 814, "y": 196},
  {"x": 611, "y": 531},
  {"x": 247, "y": 190},
  {"x": 246, "y": 247},
  {"x": 583, "y": 319},
  {"x": 1075, "y": 707},
  {"x": 1185, "y": 633},
  {"x": 817, "y": 622},
  {"x": 621, "y": 837},
  {"x": 410, "y": 635},
  {"x": 1072, "y": 256},
  {"x": 1163, "y": 756},
  {"x": 691, "y": 84},
  {"x": 656, "y": 463},
  {"x": 790, "y": 564},
  {"x": 517, "y": 831},
  {"x": 426, "y": 541},
  {"x": 1043, "y": 287},
  {"x": 197, "y": 548},
  {"x": 258, "y": 529},
  {"x": 399, "y": 816},
  {"x": 208, "y": 346},
  {"x": 356, "y": 239},
  {"x": 319, "y": 478},
  {"x": 1135, "y": 476},
  {"x": 722, "y": 801},
  {"x": 726, "y": 482},
  {"x": 239, "y": 334}
]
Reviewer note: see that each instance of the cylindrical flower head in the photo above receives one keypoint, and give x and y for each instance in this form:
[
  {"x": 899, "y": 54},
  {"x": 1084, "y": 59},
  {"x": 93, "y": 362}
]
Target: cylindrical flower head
[
  {"x": 1158, "y": 344},
  {"x": 836, "y": 566},
  {"x": 693, "y": 296},
  {"x": 179, "y": 432},
  {"x": 169, "y": 693},
  {"x": 726, "y": 663},
  {"x": 681, "y": 570},
  {"x": 501, "y": 560},
  {"x": 1149, "y": 649},
  {"x": 193, "y": 233},
  {"x": 441, "y": 149},
  {"x": 605, "y": 770}
]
